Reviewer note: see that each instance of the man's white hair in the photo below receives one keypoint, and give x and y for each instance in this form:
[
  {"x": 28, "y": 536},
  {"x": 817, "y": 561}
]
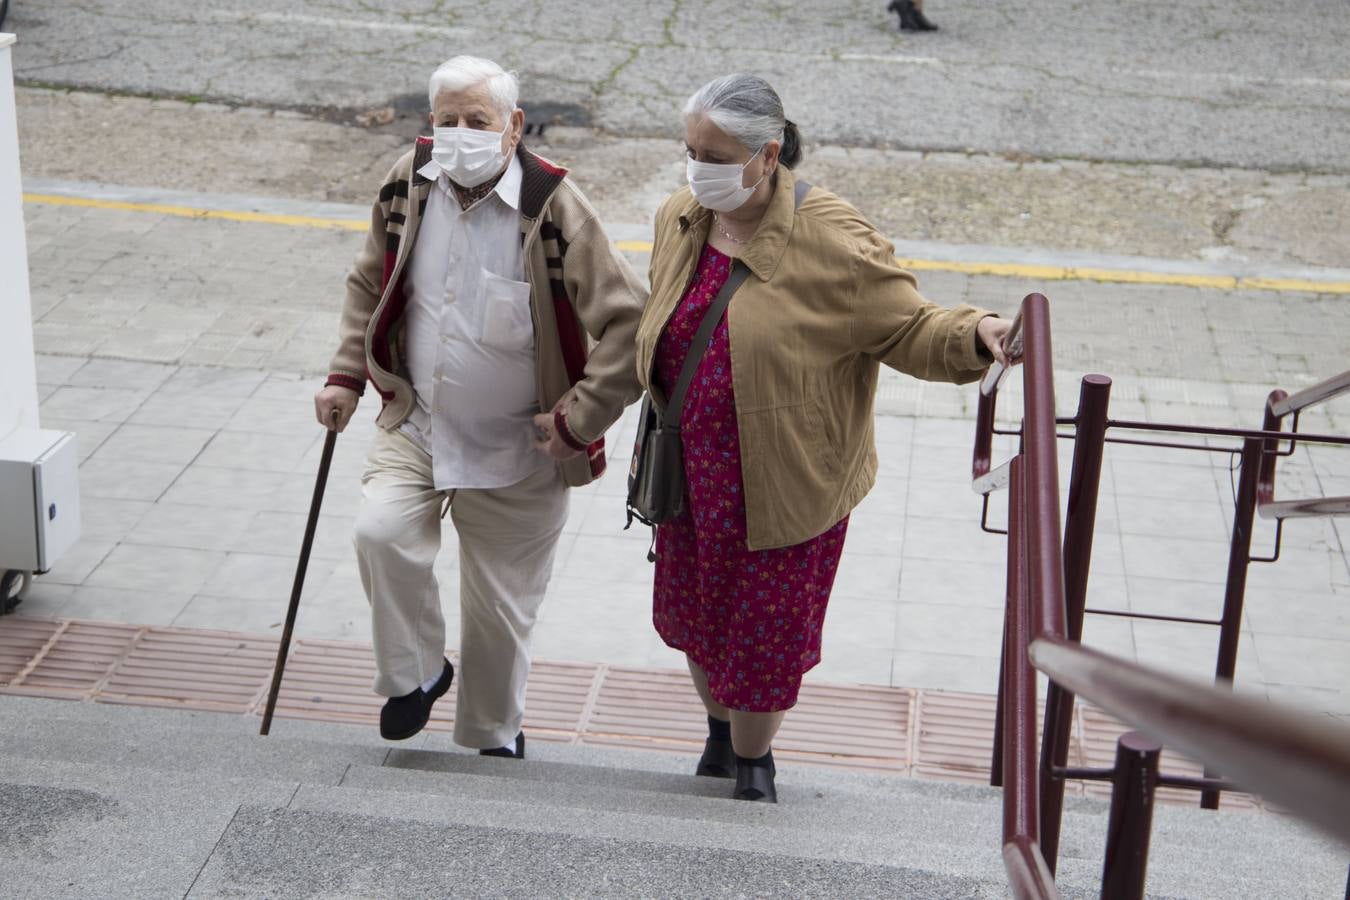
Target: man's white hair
[{"x": 464, "y": 72}]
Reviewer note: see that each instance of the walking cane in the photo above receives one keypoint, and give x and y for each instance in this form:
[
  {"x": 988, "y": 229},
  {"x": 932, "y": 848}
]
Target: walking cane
[{"x": 319, "y": 482}]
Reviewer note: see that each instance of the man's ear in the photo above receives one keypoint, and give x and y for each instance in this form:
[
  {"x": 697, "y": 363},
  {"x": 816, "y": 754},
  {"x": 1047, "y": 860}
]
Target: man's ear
[{"x": 517, "y": 125}]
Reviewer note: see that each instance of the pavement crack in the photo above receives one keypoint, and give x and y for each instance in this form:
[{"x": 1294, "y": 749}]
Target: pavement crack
[
  {"x": 20, "y": 72},
  {"x": 1224, "y": 223},
  {"x": 668, "y": 24},
  {"x": 214, "y": 847}
]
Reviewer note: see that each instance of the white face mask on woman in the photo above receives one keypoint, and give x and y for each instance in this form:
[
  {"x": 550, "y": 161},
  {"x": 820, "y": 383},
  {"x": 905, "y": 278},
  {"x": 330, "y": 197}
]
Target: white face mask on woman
[
  {"x": 469, "y": 156},
  {"x": 717, "y": 186}
]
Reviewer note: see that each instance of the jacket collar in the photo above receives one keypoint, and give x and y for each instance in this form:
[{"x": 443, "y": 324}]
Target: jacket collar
[
  {"x": 507, "y": 185},
  {"x": 539, "y": 177},
  {"x": 765, "y": 249}
]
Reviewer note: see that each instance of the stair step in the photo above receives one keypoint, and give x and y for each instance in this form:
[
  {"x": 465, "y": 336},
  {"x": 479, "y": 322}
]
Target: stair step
[
  {"x": 318, "y": 851},
  {"x": 108, "y": 782},
  {"x": 79, "y": 830}
]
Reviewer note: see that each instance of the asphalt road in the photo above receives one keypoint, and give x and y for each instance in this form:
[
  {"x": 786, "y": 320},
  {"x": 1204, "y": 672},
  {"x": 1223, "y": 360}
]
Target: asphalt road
[{"x": 1211, "y": 82}]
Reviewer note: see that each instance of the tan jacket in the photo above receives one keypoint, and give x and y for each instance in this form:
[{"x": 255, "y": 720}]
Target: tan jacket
[
  {"x": 584, "y": 297},
  {"x": 825, "y": 305}
]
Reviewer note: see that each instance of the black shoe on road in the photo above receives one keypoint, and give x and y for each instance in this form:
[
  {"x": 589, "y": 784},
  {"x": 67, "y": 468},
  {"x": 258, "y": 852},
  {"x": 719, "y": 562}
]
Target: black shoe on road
[
  {"x": 402, "y": 717},
  {"x": 911, "y": 17}
]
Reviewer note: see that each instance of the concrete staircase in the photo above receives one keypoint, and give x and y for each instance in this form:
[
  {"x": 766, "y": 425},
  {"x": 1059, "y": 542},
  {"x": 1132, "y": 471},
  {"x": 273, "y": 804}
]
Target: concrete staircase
[{"x": 106, "y": 801}]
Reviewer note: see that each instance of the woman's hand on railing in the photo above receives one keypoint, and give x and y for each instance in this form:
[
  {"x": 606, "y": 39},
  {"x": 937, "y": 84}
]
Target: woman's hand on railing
[{"x": 991, "y": 332}]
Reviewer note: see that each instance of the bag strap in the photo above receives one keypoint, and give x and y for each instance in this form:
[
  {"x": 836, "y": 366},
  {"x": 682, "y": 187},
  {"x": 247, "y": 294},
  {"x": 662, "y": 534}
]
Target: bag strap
[
  {"x": 799, "y": 192},
  {"x": 739, "y": 272}
]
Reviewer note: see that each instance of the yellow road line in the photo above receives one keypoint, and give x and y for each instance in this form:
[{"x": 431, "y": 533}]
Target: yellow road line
[
  {"x": 192, "y": 212},
  {"x": 1003, "y": 270}
]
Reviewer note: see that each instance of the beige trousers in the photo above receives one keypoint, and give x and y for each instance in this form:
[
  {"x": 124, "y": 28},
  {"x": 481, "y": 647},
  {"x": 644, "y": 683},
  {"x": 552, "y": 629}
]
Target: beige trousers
[{"x": 507, "y": 537}]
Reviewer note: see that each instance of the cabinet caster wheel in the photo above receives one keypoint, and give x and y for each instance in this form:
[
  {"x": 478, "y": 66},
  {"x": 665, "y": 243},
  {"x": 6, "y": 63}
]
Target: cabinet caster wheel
[{"x": 13, "y": 586}]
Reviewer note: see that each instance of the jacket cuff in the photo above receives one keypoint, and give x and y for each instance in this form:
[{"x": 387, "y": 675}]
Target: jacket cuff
[
  {"x": 564, "y": 432},
  {"x": 968, "y": 352},
  {"x": 343, "y": 380},
  {"x": 981, "y": 350}
]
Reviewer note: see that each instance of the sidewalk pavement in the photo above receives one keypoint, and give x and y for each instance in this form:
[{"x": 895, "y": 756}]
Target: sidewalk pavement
[{"x": 184, "y": 352}]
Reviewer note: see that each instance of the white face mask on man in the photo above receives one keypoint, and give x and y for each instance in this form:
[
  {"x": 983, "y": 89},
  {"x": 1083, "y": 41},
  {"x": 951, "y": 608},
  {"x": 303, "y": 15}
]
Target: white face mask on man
[
  {"x": 717, "y": 186},
  {"x": 468, "y": 156}
]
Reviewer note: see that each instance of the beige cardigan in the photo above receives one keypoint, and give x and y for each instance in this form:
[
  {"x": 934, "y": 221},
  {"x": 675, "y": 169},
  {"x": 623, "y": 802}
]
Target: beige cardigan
[{"x": 585, "y": 303}]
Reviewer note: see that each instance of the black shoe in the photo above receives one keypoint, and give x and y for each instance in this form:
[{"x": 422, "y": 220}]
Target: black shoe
[
  {"x": 718, "y": 759},
  {"x": 402, "y": 717},
  {"x": 507, "y": 754},
  {"x": 911, "y": 17},
  {"x": 921, "y": 23},
  {"x": 755, "y": 783}
]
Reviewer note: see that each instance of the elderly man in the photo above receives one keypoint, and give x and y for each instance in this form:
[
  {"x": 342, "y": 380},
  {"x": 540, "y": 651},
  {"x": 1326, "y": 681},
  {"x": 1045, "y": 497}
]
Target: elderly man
[{"x": 469, "y": 310}]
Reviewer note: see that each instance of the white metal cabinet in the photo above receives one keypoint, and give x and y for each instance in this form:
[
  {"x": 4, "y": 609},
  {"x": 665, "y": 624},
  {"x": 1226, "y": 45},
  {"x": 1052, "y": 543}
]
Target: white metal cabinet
[{"x": 39, "y": 498}]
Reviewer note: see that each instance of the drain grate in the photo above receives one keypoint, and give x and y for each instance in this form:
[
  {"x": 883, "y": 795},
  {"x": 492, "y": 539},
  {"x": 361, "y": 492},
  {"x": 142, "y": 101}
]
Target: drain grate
[{"x": 923, "y": 733}]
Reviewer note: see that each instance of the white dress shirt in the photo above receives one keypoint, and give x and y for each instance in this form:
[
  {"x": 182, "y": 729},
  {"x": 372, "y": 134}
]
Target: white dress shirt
[{"x": 470, "y": 339}]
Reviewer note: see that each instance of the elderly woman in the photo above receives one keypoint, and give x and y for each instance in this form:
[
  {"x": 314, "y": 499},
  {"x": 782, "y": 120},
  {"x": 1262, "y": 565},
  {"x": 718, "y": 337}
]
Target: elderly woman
[{"x": 777, "y": 423}]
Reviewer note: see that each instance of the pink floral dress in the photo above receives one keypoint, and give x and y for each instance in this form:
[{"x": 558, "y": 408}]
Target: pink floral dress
[{"x": 751, "y": 619}]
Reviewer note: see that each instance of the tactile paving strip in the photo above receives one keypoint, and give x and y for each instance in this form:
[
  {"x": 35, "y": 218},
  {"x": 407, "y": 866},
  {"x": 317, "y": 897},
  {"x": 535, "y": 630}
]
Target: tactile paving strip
[{"x": 923, "y": 733}]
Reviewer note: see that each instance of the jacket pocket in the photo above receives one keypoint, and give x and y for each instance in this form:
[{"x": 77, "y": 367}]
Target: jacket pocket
[
  {"x": 507, "y": 323},
  {"x": 821, "y": 438}
]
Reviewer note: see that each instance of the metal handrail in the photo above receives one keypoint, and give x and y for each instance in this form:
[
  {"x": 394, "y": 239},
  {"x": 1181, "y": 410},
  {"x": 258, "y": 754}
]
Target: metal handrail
[
  {"x": 1311, "y": 396},
  {"x": 1297, "y": 759},
  {"x": 1035, "y": 569},
  {"x": 1300, "y": 761}
]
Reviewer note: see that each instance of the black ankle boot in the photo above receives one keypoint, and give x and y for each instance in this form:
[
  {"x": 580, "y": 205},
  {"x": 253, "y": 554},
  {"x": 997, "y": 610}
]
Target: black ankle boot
[
  {"x": 754, "y": 779},
  {"x": 911, "y": 18},
  {"x": 718, "y": 759},
  {"x": 921, "y": 23}
]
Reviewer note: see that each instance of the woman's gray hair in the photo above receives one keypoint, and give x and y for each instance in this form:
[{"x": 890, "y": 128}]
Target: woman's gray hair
[
  {"x": 750, "y": 110},
  {"x": 463, "y": 72}
]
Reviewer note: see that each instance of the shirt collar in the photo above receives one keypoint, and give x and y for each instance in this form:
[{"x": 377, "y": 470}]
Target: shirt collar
[{"x": 508, "y": 186}]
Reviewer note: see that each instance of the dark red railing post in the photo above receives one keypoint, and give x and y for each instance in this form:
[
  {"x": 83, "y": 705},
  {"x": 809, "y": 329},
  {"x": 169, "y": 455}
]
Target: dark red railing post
[
  {"x": 1271, "y": 422},
  {"x": 1020, "y": 819},
  {"x": 996, "y": 757},
  {"x": 979, "y": 467},
  {"x": 1235, "y": 591},
  {"x": 1131, "y": 817},
  {"x": 1045, "y": 560},
  {"x": 1089, "y": 445},
  {"x": 1009, "y": 610}
]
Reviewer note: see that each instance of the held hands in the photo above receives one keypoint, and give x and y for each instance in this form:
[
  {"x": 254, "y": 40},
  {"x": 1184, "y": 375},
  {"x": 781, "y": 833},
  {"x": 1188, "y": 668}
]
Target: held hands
[
  {"x": 547, "y": 439},
  {"x": 990, "y": 332},
  {"x": 335, "y": 398}
]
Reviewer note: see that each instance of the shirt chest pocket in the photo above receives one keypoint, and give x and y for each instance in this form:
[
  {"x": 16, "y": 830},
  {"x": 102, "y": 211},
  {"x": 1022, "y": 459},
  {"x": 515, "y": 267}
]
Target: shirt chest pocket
[{"x": 507, "y": 323}]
